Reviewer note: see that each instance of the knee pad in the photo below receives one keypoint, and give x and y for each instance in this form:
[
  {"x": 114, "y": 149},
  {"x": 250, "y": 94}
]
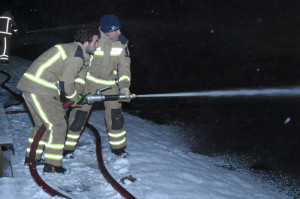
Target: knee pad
[
  {"x": 80, "y": 118},
  {"x": 117, "y": 119}
]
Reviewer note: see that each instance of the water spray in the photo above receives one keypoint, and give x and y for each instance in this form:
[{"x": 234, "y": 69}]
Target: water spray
[{"x": 268, "y": 92}]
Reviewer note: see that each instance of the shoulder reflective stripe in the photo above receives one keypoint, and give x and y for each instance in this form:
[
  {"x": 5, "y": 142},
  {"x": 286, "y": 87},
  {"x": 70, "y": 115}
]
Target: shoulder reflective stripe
[
  {"x": 5, "y": 18},
  {"x": 100, "y": 81},
  {"x": 124, "y": 78},
  {"x": 40, "y": 81},
  {"x": 53, "y": 156},
  {"x": 99, "y": 52},
  {"x": 116, "y": 51},
  {"x": 116, "y": 135},
  {"x": 62, "y": 51},
  {"x": 117, "y": 142},
  {"x": 47, "y": 64},
  {"x": 73, "y": 95},
  {"x": 80, "y": 81}
]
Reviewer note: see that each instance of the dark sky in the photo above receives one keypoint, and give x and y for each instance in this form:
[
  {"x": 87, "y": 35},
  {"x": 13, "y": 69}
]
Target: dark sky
[{"x": 185, "y": 45}]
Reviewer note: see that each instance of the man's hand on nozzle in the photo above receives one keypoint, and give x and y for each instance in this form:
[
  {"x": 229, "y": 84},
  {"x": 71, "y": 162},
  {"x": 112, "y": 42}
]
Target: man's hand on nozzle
[{"x": 126, "y": 92}]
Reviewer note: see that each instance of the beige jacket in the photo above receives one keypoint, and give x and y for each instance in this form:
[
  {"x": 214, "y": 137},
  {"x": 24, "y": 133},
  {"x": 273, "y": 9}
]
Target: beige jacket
[
  {"x": 110, "y": 65},
  {"x": 55, "y": 72}
]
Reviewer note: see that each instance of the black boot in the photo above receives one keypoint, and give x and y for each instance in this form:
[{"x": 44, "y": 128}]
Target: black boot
[
  {"x": 68, "y": 154},
  {"x": 48, "y": 168},
  {"x": 120, "y": 152},
  {"x": 37, "y": 162}
]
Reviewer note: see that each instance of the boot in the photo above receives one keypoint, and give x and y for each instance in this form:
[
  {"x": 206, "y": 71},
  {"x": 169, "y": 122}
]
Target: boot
[
  {"x": 37, "y": 162},
  {"x": 120, "y": 152},
  {"x": 48, "y": 168}
]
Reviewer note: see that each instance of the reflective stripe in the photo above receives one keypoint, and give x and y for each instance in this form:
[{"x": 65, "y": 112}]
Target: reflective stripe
[
  {"x": 43, "y": 116},
  {"x": 116, "y": 51},
  {"x": 117, "y": 142},
  {"x": 113, "y": 52},
  {"x": 7, "y": 25},
  {"x": 116, "y": 135},
  {"x": 79, "y": 80},
  {"x": 99, "y": 52},
  {"x": 4, "y": 50},
  {"x": 125, "y": 77},
  {"x": 62, "y": 52},
  {"x": 30, "y": 140},
  {"x": 100, "y": 81},
  {"x": 40, "y": 81},
  {"x": 53, "y": 156},
  {"x": 71, "y": 96},
  {"x": 38, "y": 151},
  {"x": 8, "y": 33},
  {"x": 36, "y": 78},
  {"x": 73, "y": 136},
  {"x": 55, "y": 146},
  {"x": 70, "y": 143}
]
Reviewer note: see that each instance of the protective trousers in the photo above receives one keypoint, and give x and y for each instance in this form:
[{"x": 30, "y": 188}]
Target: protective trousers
[
  {"x": 48, "y": 111},
  {"x": 114, "y": 123},
  {"x": 4, "y": 46}
]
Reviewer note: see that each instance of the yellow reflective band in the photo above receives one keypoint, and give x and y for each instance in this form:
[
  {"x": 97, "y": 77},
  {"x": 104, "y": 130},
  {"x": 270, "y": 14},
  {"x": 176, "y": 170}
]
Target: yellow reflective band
[
  {"x": 8, "y": 33},
  {"x": 117, "y": 142},
  {"x": 124, "y": 78},
  {"x": 43, "y": 116},
  {"x": 38, "y": 151},
  {"x": 79, "y": 80},
  {"x": 47, "y": 64},
  {"x": 116, "y": 51},
  {"x": 62, "y": 51},
  {"x": 115, "y": 72},
  {"x": 92, "y": 57},
  {"x": 55, "y": 146},
  {"x": 100, "y": 81},
  {"x": 73, "y": 136},
  {"x": 40, "y": 81},
  {"x": 116, "y": 135},
  {"x": 99, "y": 52},
  {"x": 40, "y": 142},
  {"x": 70, "y": 143},
  {"x": 73, "y": 95},
  {"x": 53, "y": 156}
]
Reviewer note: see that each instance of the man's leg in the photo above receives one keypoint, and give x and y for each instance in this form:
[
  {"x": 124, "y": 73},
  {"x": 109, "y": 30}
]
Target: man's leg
[
  {"x": 77, "y": 120},
  {"x": 115, "y": 126}
]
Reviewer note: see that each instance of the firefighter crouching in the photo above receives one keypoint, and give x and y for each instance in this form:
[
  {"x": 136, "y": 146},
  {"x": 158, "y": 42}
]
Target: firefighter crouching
[
  {"x": 49, "y": 81},
  {"x": 110, "y": 66}
]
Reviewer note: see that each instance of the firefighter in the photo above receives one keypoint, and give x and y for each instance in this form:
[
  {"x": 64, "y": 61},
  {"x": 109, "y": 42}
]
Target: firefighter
[
  {"x": 7, "y": 24},
  {"x": 110, "y": 66},
  {"x": 49, "y": 81}
]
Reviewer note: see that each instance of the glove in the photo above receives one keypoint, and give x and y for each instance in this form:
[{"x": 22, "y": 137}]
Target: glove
[
  {"x": 126, "y": 92},
  {"x": 80, "y": 100}
]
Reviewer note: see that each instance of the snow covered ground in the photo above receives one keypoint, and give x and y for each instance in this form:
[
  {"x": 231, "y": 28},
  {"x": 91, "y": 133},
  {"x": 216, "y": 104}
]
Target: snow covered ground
[{"x": 162, "y": 164}]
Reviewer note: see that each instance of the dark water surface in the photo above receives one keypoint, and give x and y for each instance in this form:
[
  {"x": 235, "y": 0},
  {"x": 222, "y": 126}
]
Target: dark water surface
[{"x": 257, "y": 134}]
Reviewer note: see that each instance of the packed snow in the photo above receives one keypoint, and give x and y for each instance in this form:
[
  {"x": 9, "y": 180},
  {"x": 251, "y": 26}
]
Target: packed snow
[{"x": 161, "y": 163}]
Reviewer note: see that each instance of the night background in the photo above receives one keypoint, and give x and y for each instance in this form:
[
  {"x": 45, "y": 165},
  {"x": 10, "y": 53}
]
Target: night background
[{"x": 180, "y": 46}]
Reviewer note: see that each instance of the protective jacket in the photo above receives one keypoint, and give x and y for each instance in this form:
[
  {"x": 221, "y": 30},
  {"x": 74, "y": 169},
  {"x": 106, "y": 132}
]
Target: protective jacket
[
  {"x": 112, "y": 66},
  {"x": 55, "y": 72},
  {"x": 7, "y": 23}
]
